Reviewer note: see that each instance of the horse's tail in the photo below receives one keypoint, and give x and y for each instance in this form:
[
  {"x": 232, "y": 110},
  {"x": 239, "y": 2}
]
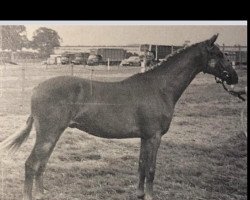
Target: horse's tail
[{"x": 13, "y": 142}]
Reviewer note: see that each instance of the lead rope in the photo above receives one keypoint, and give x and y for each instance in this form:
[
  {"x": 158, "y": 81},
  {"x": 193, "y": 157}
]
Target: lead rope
[
  {"x": 237, "y": 94},
  {"x": 234, "y": 93}
]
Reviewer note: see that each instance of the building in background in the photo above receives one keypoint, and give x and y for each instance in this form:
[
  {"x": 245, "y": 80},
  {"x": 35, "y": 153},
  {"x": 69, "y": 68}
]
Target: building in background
[
  {"x": 236, "y": 53},
  {"x": 78, "y": 49}
]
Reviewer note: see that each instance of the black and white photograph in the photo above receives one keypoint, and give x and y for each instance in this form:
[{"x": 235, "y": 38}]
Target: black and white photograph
[{"x": 123, "y": 110}]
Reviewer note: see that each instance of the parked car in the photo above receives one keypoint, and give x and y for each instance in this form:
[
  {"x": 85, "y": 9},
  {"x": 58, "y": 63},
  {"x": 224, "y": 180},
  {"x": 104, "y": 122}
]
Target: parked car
[
  {"x": 80, "y": 59},
  {"x": 64, "y": 60},
  {"x": 94, "y": 60},
  {"x": 112, "y": 56},
  {"x": 44, "y": 62},
  {"x": 131, "y": 61},
  {"x": 67, "y": 58}
]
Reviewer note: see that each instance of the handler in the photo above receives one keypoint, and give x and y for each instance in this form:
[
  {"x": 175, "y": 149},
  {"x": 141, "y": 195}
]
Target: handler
[
  {"x": 147, "y": 61},
  {"x": 243, "y": 114}
]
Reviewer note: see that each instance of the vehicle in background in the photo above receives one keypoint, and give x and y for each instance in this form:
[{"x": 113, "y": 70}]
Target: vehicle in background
[
  {"x": 67, "y": 58},
  {"x": 131, "y": 61},
  {"x": 112, "y": 56},
  {"x": 44, "y": 62},
  {"x": 53, "y": 60},
  {"x": 80, "y": 59},
  {"x": 95, "y": 60}
]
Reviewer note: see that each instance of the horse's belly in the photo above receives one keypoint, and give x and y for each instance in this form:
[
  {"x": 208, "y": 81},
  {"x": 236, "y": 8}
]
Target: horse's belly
[
  {"x": 101, "y": 130},
  {"x": 107, "y": 124}
]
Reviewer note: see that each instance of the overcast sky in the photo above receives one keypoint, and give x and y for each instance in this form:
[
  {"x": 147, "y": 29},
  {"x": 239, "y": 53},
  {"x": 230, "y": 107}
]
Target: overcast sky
[{"x": 136, "y": 34}]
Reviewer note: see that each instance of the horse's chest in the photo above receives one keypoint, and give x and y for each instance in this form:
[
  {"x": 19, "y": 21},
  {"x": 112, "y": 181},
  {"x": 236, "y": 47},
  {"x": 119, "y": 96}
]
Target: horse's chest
[{"x": 154, "y": 118}]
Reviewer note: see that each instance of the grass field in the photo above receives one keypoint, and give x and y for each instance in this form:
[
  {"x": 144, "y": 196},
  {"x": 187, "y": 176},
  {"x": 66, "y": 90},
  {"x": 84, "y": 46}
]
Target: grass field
[{"x": 203, "y": 155}]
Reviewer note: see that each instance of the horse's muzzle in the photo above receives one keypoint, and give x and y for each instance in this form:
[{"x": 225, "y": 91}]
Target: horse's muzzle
[{"x": 230, "y": 78}]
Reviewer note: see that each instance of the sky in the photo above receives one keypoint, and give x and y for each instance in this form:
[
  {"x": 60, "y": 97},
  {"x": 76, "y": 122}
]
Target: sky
[{"x": 137, "y": 33}]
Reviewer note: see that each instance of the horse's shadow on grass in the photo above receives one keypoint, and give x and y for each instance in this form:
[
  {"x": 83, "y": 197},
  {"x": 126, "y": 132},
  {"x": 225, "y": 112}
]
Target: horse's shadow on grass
[
  {"x": 184, "y": 171},
  {"x": 217, "y": 172}
]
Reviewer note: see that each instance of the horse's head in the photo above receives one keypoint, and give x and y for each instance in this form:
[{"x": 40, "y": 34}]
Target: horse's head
[{"x": 217, "y": 63}]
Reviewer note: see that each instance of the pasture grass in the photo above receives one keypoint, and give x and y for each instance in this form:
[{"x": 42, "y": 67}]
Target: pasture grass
[{"x": 203, "y": 156}]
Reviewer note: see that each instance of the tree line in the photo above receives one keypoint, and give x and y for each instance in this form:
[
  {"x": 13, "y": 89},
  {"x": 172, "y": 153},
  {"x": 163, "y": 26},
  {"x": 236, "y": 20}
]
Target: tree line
[{"x": 44, "y": 40}]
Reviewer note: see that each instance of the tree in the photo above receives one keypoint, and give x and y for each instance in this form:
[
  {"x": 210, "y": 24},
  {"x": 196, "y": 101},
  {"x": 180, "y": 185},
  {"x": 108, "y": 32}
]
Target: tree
[
  {"x": 44, "y": 40},
  {"x": 14, "y": 37}
]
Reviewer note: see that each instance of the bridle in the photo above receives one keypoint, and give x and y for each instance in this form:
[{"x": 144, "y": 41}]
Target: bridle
[{"x": 225, "y": 74}]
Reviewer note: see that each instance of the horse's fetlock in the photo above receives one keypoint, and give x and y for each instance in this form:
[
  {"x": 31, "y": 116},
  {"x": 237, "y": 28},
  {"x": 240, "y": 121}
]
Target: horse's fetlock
[{"x": 151, "y": 171}]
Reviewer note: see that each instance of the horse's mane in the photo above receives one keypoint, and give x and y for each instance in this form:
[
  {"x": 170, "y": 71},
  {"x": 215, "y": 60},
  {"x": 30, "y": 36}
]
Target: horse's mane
[
  {"x": 165, "y": 62},
  {"x": 170, "y": 57}
]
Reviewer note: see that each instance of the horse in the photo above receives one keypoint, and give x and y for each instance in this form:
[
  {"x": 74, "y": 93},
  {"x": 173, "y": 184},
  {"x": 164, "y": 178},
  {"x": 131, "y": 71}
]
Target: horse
[{"x": 140, "y": 106}]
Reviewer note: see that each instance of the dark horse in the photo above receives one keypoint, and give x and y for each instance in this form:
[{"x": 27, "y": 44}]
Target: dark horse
[{"x": 140, "y": 106}]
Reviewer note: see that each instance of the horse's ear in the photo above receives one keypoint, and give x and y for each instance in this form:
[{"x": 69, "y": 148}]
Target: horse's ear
[{"x": 212, "y": 40}]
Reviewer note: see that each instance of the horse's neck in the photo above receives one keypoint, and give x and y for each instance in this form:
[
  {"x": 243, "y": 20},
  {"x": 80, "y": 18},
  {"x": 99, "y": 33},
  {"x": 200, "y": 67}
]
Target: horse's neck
[{"x": 175, "y": 77}]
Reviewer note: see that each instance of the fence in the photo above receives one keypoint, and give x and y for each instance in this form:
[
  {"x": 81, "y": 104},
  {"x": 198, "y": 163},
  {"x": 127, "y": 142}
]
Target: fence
[
  {"x": 17, "y": 81},
  {"x": 236, "y": 53}
]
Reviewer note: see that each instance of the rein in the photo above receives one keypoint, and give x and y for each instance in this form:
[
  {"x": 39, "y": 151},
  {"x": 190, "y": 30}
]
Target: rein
[{"x": 234, "y": 93}]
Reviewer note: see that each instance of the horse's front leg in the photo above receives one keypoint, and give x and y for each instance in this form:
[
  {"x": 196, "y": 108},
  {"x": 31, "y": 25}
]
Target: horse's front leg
[
  {"x": 141, "y": 169},
  {"x": 152, "y": 146}
]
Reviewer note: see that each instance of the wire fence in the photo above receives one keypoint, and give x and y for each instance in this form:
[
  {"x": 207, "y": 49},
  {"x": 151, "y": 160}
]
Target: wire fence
[{"x": 20, "y": 79}]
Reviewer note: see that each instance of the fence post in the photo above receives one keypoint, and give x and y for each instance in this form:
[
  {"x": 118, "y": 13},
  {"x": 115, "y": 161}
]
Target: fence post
[
  {"x": 23, "y": 78},
  {"x": 72, "y": 69},
  {"x": 108, "y": 65},
  {"x": 156, "y": 52},
  {"x": 223, "y": 47},
  {"x": 240, "y": 56},
  {"x": 23, "y": 85},
  {"x": 91, "y": 77},
  {"x": 172, "y": 49},
  {"x": 143, "y": 66}
]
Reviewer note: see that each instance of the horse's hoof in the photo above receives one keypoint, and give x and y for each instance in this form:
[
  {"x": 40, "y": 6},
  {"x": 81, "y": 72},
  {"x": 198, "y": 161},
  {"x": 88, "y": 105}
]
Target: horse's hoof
[
  {"x": 39, "y": 196},
  {"x": 148, "y": 197},
  {"x": 140, "y": 194}
]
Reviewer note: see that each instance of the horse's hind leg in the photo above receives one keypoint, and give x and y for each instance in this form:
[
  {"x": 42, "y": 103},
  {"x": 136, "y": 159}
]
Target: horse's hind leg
[{"x": 48, "y": 133}]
